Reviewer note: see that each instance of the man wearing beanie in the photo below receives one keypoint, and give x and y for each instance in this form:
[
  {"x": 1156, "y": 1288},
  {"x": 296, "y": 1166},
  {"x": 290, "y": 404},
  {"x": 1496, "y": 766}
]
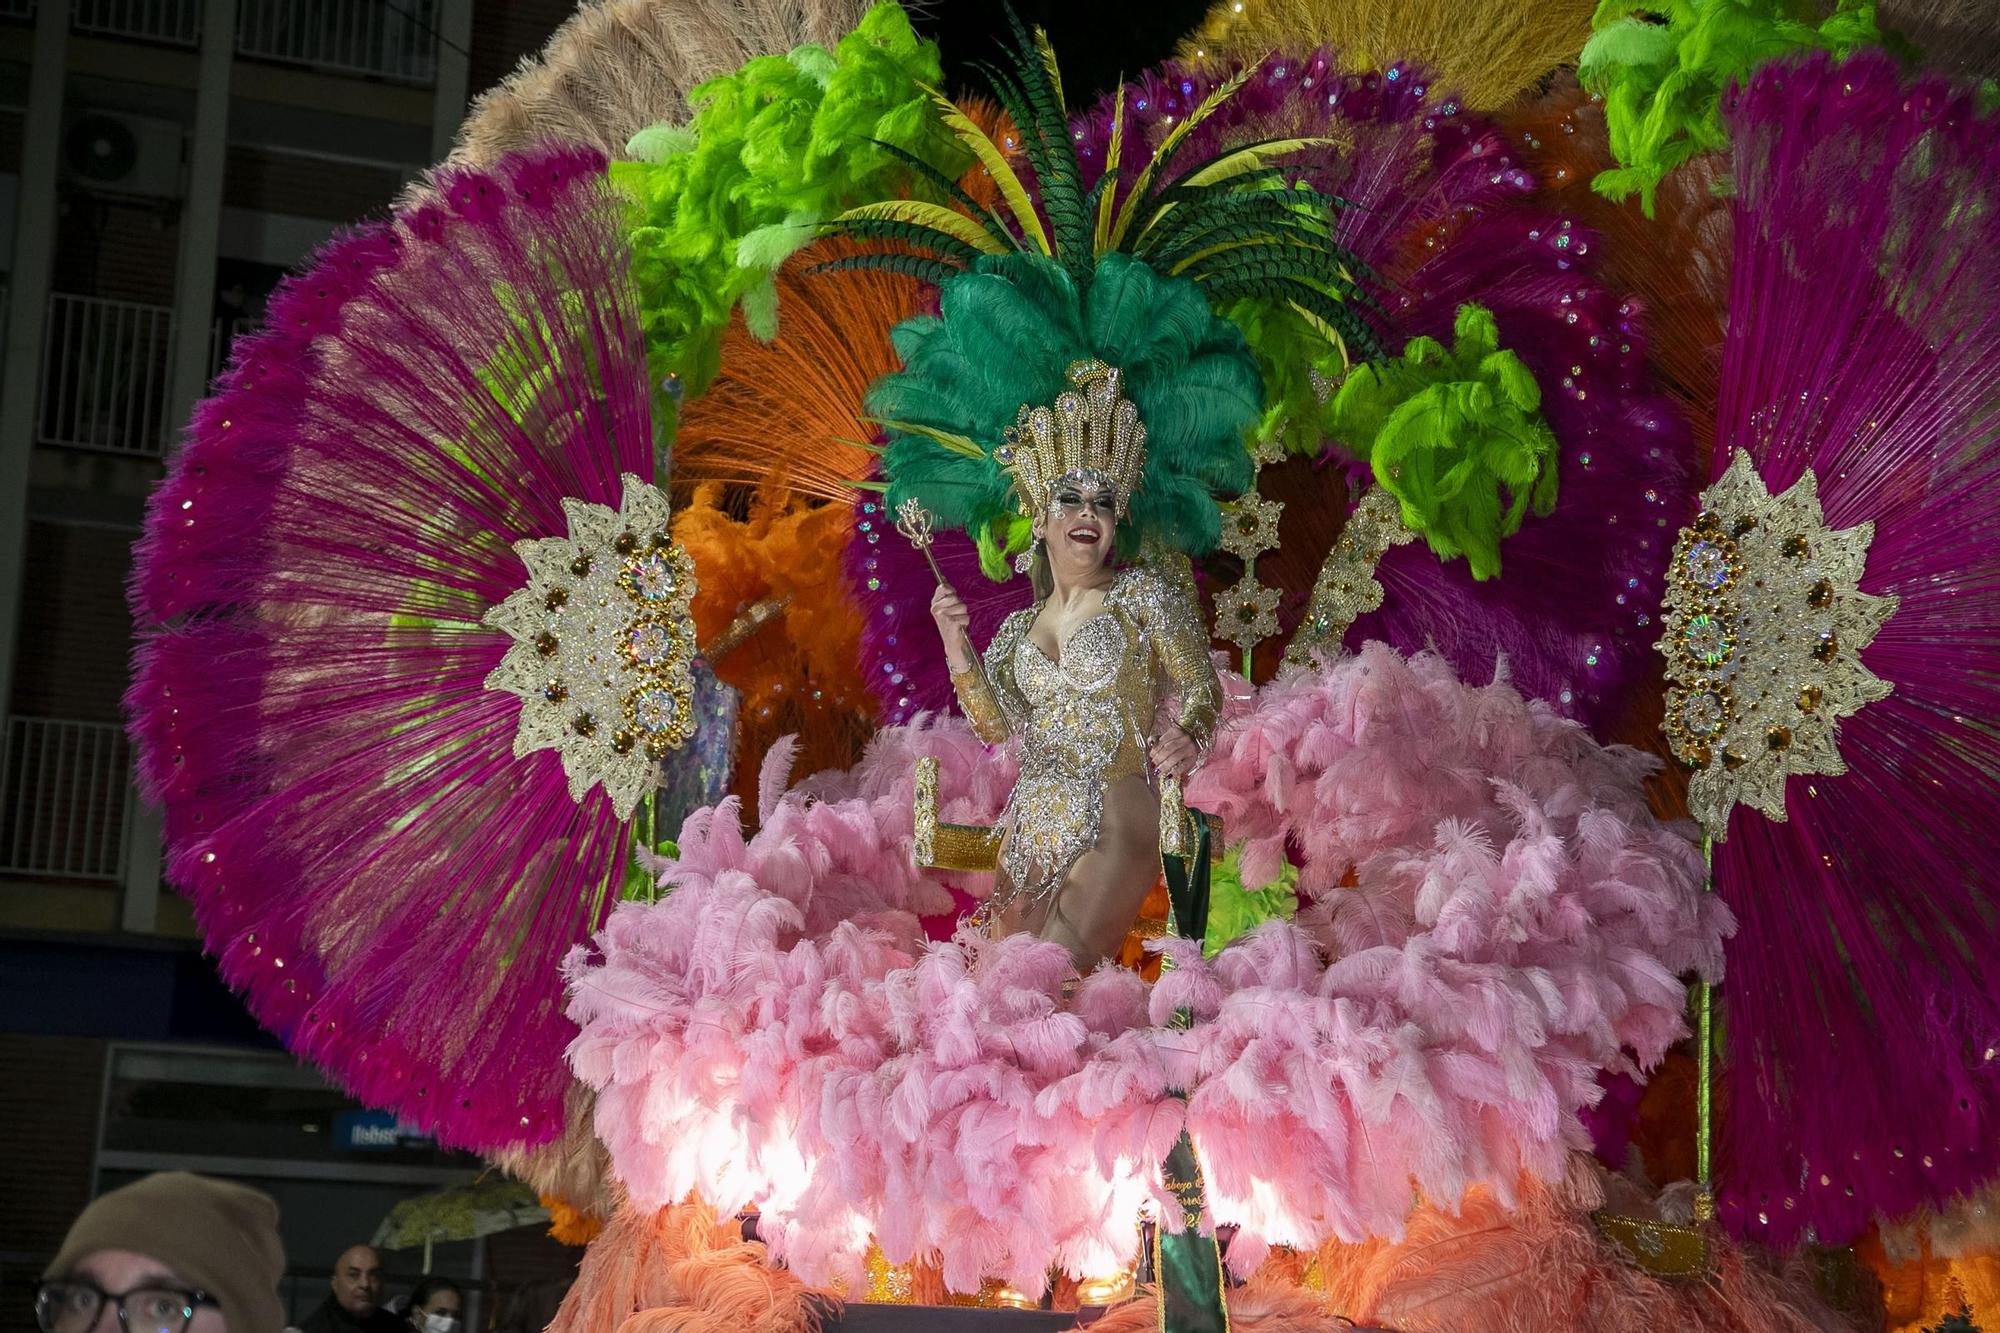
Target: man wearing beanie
[{"x": 178, "y": 1253}]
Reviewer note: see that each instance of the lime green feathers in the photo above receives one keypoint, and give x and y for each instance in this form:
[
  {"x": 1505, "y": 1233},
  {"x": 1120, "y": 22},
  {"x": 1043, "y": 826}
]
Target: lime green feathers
[
  {"x": 1456, "y": 435},
  {"x": 1662, "y": 66},
  {"x": 1235, "y": 225},
  {"x": 774, "y": 149},
  {"x": 1234, "y": 910}
]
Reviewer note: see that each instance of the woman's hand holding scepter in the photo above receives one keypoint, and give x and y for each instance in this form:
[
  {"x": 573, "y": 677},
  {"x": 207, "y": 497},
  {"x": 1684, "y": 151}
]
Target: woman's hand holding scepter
[
  {"x": 954, "y": 622},
  {"x": 914, "y": 522}
]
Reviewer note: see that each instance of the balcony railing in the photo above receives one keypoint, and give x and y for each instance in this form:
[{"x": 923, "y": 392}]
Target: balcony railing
[
  {"x": 222, "y": 336},
  {"x": 65, "y": 798},
  {"x": 385, "y": 39},
  {"x": 371, "y": 37},
  {"x": 106, "y": 371},
  {"x": 174, "y": 22}
]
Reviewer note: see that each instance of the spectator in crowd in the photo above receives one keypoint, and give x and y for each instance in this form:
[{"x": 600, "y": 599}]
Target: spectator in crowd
[
  {"x": 173, "y": 1253},
  {"x": 436, "y": 1306},
  {"x": 355, "y": 1303},
  {"x": 533, "y": 1307}
]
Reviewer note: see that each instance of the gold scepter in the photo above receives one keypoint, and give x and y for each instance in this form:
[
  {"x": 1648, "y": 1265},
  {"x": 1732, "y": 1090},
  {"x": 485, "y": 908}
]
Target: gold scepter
[{"x": 914, "y": 522}]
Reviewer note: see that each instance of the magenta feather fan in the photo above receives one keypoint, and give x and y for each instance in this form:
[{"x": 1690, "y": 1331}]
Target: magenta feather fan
[
  {"x": 1863, "y": 352},
  {"x": 388, "y": 882}
]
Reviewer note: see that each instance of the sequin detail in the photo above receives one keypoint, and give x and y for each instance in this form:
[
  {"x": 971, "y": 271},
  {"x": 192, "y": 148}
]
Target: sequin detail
[
  {"x": 1764, "y": 624},
  {"x": 1084, "y": 718},
  {"x": 603, "y": 644},
  {"x": 1091, "y": 428},
  {"x": 1346, "y": 588}
]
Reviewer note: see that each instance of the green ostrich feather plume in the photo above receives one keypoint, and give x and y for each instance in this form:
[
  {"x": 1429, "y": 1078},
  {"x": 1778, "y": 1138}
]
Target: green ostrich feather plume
[
  {"x": 1234, "y": 226},
  {"x": 774, "y": 150},
  {"x": 1130, "y": 271},
  {"x": 1008, "y": 330},
  {"x": 1662, "y": 65},
  {"x": 1456, "y": 435}
]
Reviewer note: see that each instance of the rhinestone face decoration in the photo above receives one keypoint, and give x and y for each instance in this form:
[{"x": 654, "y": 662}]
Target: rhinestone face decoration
[
  {"x": 1764, "y": 625},
  {"x": 603, "y": 642}
]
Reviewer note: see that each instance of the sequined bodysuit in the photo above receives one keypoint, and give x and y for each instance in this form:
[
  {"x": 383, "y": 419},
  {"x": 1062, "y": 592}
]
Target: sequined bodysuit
[{"x": 1084, "y": 720}]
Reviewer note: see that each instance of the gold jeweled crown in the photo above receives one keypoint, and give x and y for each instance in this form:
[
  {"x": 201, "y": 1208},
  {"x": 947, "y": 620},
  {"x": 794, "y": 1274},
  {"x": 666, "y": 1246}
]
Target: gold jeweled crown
[{"x": 1091, "y": 430}]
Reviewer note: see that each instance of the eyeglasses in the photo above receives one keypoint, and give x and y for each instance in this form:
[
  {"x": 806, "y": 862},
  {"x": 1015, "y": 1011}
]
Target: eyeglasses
[{"x": 74, "y": 1307}]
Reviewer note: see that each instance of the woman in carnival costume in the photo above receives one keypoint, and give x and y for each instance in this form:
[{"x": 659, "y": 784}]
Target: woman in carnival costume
[{"x": 1077, "y": 675}]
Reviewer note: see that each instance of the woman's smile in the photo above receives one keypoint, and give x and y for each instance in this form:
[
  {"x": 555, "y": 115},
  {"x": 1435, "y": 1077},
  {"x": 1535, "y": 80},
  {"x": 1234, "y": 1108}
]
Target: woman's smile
[{"x": 1084, "y": 534}]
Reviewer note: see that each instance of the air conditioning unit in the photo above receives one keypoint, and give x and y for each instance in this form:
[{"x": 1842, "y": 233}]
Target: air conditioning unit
[{"x": 113, "y": 153}]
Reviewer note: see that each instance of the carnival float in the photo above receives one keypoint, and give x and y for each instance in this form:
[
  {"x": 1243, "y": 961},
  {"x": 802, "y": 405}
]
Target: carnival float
[{"x": 1352, "y": 683}]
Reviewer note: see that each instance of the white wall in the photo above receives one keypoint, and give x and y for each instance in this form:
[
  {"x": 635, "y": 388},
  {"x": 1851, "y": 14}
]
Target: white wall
[{"x": 269, "y": 238}]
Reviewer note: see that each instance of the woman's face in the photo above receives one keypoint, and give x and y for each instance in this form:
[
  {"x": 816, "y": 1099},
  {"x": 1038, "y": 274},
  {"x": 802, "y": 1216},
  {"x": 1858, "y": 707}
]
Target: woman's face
[
  {"x": 439, "y": 1306},
  {"x": 1078, "y": 526}
]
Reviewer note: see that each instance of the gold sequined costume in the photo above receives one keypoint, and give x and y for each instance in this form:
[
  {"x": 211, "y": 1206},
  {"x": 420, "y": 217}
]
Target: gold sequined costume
[{"x": 1084, "y": 721}]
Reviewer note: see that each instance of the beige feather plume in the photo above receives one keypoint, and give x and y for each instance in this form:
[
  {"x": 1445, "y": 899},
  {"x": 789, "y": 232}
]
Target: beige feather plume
[
  {"x": 1488, "y": 53},
  {"x": 619, "y": 66},
  {"x": 574, "y": 1168}
]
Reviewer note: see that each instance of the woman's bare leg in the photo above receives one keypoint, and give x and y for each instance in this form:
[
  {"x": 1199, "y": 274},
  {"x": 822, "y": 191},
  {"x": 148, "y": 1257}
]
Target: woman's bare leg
[{"x": 1105, "y": 889}]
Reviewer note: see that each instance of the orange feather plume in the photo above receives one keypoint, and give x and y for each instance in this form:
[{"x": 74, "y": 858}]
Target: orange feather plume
[
  {"x": 683, "y": 1269},
  {"x": 785, "y": 416},
  {"x": 799, "y": 673}
]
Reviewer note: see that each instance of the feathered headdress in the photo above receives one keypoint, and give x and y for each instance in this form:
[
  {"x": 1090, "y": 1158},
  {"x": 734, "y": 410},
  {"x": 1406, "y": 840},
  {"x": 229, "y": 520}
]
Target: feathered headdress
[
  {"x": 1127, "y": 274},
  {"x": 1005, "y": 339},
  {"x": 1091, "y": 430}
]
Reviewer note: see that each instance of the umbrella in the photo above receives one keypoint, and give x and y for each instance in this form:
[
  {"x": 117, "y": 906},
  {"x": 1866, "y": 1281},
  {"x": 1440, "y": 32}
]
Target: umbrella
[{"x": 462, "y": 1212}]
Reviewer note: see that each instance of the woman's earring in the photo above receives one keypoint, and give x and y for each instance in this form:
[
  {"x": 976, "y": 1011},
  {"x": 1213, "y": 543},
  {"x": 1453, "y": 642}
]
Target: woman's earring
[{"x": 1022, "y": 563}]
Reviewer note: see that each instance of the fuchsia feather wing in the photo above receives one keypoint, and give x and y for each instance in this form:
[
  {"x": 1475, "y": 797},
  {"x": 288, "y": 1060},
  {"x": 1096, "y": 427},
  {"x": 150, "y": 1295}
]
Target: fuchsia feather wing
[
  {"x": 389, "y": 886},
  {"x": 1863, "y": 1004}
]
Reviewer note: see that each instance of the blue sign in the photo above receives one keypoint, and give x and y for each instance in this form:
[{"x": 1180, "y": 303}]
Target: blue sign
[{"x": 373, "y": 1131}]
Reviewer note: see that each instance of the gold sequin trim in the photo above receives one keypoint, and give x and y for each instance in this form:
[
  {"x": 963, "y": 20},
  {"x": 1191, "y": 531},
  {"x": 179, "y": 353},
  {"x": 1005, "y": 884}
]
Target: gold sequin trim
[
  {"x": 1346, "y": 588},
  {"x": 1090, "y": 428},
  {"x": 1658, "y": 1247},
  {"x": 603, "y": 645}
]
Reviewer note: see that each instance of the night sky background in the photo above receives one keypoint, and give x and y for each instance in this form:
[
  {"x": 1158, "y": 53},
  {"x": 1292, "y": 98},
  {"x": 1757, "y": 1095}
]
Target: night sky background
[{"x": 1096, "y": 42}]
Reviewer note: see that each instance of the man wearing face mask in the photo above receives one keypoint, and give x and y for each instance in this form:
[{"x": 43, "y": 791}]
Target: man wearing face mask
[
  {"x": 436, "y": 1306},
  {"x": 355, "y": 1303}
]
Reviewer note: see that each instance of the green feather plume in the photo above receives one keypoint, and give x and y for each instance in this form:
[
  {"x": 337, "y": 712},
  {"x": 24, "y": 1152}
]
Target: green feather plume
[
  {"x": 1234, "y": 225},
  {"x": 1008, "y": 330},
  {"x": 1234, "y": 910},
  {"x": 1662, "y": 65},
  {"x": 774, "y": 149},
  {"x": 1457, "y": 436}
]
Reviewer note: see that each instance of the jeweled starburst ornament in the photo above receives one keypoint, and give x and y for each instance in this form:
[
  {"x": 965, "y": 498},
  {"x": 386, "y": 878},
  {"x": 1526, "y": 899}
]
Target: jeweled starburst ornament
[
  {"x": 1250, "y": 526},
  {"x": 1765, "y": 625},
  {"x": 603, "y": 643},
  {"x": 1247, "y": 614}
]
